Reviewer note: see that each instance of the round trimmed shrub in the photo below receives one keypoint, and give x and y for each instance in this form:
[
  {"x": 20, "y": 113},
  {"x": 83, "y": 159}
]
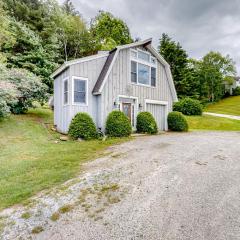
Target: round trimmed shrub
[
  {"x": 118, "y": 124},
  {"x": 177, "y": 122},
  {"x": 146, "y": 123},
  {"x": 188, "y": 106},
  {"x": 82, "y": 126}
]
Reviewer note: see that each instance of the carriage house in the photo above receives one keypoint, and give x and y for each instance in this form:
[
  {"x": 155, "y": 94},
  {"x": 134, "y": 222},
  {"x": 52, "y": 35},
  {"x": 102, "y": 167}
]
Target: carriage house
[{"x": 130, "y": 78}]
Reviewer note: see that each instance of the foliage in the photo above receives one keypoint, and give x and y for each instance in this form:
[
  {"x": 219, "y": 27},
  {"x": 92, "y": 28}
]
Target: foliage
[
  {"x": 110, "y": 31},
  {"x": 30, "y": 159},
  {"x": 177, "y": 58},
  {"x": 236, "y": 91},
  {"x": 19, "y": 88},
  {"x": 212, "y": 73},
  {"x": 82, "y": 126},
  {"x": 146, "y": 123},
  {"x": 200, "y": 79},
  {"x": 177, "y": 122},
  {"x": 188, "y": 106},
  {"x": 118, "y": 124}
]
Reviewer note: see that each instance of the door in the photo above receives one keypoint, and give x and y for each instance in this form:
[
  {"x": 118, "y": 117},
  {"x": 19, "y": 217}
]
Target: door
[
  {"x": 159, "y": 113},
  {"x": 127, "y": 109}
]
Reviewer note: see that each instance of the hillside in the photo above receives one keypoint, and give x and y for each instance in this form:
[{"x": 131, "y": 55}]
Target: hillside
[
  {"x": 33, "y": 158},
  {"x": 230, "y": 105}
]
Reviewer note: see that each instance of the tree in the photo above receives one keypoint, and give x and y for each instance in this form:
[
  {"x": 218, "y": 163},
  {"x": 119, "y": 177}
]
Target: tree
[
  {"x": 110, "y": 31},
  {"x": 27, "y": 52},
  {"x": 214, "y": 70},
  {"x": 177, "y": 58},
  {"x": 5, "y": 34},
  {"x": 71, "y": 31},
  {"x": 18, "y": 89},
  {"x": 69, "y": 8}
]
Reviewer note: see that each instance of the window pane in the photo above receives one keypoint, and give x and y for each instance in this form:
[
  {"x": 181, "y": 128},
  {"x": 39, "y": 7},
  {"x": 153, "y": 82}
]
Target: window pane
[
  {"x": 79, "y": 91},
  {"x": 79, "y": 85},
  {"x": 65, "y": 86},
  {"x": 65, "y": 97},
  {"x": 143, "y": 56},
  {"x": 143, "y": 74},
  {"x": 153, "y": 76},
  {"x": 79, "y": 97},
  {"x": 133, "y": 72},
  {"x": 134, "y": 54},
  {"x": 134, "y": 77}
]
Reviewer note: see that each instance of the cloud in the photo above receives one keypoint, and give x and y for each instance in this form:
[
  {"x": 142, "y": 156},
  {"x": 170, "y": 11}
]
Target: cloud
[{"x": 199, "y": 26}]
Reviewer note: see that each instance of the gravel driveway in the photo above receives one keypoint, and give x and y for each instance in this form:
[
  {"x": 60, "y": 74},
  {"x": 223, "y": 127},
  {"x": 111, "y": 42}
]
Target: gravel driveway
[{"x": 171, "y": 186}]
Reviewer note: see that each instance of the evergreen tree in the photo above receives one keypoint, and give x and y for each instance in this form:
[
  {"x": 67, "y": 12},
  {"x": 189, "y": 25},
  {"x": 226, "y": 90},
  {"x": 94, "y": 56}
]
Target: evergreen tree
[{"x": 177, "y": 58}]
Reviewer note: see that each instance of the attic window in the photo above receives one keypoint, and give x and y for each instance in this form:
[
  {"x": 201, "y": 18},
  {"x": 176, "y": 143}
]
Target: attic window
[
  {"x": 144, "y": 56},
  {"x": 143, "y": 68}
]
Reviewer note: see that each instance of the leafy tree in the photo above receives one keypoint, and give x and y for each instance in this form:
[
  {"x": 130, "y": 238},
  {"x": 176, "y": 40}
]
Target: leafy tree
[
  {"x": 5, "y": 34},
  {"x": 71, "y": 31},
  {"x": 109, "y": 30},
  {"x": 177, "y": 58},
  {"x": 214, "y": 70},
  {"x": 27, "y": 52},
  {"x": 69, "y": 8},
  {"x": 18, "y": 89}
]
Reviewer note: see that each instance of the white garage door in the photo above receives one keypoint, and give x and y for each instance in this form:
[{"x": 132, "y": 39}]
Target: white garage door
[{"x": 159, "y": 113}]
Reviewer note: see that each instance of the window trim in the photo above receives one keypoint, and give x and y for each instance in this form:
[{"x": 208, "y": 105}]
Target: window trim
[
  {"x": 149, "y": 64},
  {"x": 83, "y": 79},
  {"x": 63, "y": 91}
]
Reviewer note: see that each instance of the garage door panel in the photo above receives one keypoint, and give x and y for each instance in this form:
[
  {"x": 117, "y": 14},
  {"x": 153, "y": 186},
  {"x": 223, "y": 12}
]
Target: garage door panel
[{"x": 159, "y": 113}]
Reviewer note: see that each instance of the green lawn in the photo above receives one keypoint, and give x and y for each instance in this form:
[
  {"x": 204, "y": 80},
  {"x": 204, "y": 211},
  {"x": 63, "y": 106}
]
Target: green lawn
[
  {"x": 31, "y": 161},
  {"x": 206, "y": 122},
  {"x": 230, "y": 105}
]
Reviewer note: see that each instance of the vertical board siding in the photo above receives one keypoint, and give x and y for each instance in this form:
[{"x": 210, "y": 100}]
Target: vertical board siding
[
  {"x": 90, "y": 70},
  {"x": 159, "y": 113},
  {"x": 61, "y": 111},
  {"x": 119, "y": 83},
  {"x": 64, "y": 114}
]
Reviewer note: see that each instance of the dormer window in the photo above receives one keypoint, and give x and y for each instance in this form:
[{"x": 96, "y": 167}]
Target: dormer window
[{"x": 143, "y": 68}]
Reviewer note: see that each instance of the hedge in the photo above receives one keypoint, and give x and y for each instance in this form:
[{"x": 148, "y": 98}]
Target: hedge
[
  {"x": 118, "y": 124},
  {"x": 177, "y": 122},
  {"x": 188, "y": 106},
  {"x": 82, "y": 126},
  {"x": 146, "y": 123}
]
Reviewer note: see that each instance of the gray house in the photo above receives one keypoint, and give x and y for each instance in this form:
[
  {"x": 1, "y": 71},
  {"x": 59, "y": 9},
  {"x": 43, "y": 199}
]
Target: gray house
[
  {"x": 131, "y": 78},
  {"x": 229, "y": 87}
]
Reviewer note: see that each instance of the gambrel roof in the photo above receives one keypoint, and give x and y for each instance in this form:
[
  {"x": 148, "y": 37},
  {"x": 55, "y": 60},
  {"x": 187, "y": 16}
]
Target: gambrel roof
[{"x": 111, "y": 58}]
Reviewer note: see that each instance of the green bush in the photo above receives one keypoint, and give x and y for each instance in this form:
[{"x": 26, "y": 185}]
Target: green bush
[
  {"x": 188, "y": 106},
  {"x": 236, "y": 91},
  {"x": 118, "y": 124},
  {"x": 82, "y": 126},
  {"x": 177, "y": 122},
  {"x": 146, "y": 123}
]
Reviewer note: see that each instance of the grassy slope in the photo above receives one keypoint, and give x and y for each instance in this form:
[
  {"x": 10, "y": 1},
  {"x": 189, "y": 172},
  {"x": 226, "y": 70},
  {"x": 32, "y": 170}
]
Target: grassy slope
[
  {"x": 212, "y": 123},
  {"x": 31, "y": 161},
  {"x": 230, "y": 105}
]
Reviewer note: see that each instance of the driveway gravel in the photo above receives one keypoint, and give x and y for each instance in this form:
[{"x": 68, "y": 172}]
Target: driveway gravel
[{"x": 170, "y": 186}]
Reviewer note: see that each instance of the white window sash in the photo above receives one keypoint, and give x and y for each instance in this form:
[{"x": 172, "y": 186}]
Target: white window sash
[
  {"x": 86, "y": 91},
  {"x": 64, "y": 92}
]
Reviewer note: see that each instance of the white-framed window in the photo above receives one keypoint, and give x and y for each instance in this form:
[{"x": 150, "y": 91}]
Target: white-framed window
[
  {"x": 143, "y": 68},
  {"x": 80, "y": 90},
  {"x": 65, "y": 91}
]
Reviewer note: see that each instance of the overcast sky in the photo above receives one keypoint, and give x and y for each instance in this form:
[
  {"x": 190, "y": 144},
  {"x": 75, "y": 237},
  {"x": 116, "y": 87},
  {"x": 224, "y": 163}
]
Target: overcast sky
[{"x": 199, "y": 25}]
